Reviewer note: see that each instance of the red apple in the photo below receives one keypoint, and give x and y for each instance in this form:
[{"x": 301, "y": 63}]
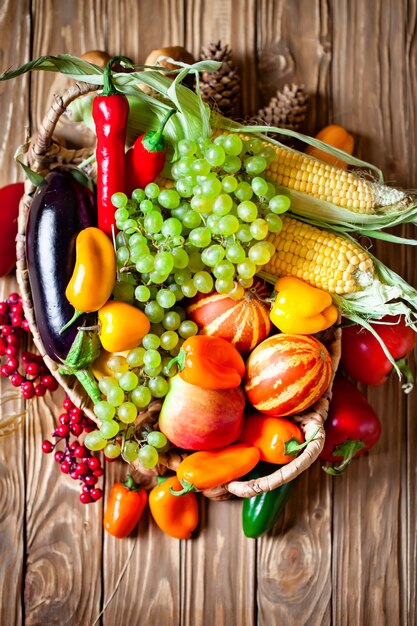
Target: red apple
[{"x": 194, "y": 418}]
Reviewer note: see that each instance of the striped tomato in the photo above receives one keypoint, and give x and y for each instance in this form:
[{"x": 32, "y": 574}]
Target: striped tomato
[
  {"x": 286, "y": 374},
  {"x": 245, "y": 322}
]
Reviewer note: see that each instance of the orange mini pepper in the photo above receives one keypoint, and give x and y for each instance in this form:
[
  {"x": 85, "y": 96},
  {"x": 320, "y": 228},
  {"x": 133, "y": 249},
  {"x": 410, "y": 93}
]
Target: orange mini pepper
[
  {"x": 177, "y": 517},
  {"x": 206, "y": 469},
  {"x": 124, "y": 509},
  {"x": 336, "y": 136},
  {"x": 278, "y": 439},
  {"x": 210, "y": 362}
]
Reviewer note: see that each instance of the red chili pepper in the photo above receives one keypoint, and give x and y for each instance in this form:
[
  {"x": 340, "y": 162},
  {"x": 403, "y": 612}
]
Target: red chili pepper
[
  {"x": 110, "y": 113},
  {"x": 145, "y": 160}
]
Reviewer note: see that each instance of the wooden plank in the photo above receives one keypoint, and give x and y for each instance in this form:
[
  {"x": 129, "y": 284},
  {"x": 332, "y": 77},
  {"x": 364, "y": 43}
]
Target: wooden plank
[
  {"x": 294, "y": 563},
  {"x": 14, "y": 48}
]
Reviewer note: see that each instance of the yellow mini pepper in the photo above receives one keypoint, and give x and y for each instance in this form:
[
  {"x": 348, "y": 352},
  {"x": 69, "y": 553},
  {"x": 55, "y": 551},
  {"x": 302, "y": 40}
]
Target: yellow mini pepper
[
  {"x": 94, "y": 274},
  {"x": 122, "y": 326},
  {"x": 301, "y": 309}
]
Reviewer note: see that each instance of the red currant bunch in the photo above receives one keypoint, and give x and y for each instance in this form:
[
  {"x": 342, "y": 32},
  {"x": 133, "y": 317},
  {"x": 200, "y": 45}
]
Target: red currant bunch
[
  {"x": 73, "y": 457},
  {"x": 35, "y": 379}
]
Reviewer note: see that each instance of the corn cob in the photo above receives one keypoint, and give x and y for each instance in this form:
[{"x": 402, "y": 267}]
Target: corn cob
[{"x": 321, "y": 258}]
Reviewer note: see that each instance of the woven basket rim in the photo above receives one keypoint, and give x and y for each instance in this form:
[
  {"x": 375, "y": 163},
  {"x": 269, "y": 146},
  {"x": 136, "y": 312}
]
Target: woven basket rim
[{"x": 43, "y": 153}]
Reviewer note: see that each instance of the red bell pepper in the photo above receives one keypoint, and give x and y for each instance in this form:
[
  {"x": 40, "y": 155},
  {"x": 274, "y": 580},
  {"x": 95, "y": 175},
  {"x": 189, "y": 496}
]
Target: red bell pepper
[
  {"x": 110, "y": 114},
  {"x": 10, "y": 197}
]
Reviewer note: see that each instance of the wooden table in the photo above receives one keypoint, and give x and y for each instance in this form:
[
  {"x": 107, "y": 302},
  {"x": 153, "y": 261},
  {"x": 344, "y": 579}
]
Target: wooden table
[{"x": 345, "y": 551}]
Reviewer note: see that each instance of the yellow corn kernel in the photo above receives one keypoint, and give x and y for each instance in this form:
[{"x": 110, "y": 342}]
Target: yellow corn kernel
[{"x": 321, "y": 258}]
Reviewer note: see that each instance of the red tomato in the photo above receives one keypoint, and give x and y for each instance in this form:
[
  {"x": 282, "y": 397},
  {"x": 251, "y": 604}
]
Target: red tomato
[
  {"x": 286, "y": 374},
  {"x": 362, "y": 355},
  {"x": 10, "y": 197},
  {"x": 352, "y": 426}
]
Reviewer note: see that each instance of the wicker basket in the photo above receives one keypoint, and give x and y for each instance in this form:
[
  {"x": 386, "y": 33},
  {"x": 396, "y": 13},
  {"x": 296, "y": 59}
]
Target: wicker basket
[{"x": 42, "y": 155}]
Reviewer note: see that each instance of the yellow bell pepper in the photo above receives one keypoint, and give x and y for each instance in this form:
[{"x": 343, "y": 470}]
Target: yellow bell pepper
[
  {"x": 122, "y": 326},
  {"x": 301, "y": 309}
]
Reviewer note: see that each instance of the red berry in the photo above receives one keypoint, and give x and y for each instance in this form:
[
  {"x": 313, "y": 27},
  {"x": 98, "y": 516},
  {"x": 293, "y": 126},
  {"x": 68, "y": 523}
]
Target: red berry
[
  {"x": 63, "y": 430},
  {"x": 4, "y": 371},
  {"x": 33, "y": 369},
  {"x": 6, "y": 331},
  {"x": 11, "y": 350},
  {"x": 76, "y": 429},
  {"x": 65, "y": 467},
  {"x": 59, "y": 456},
  {"x": 98, "y": 472},
  {"x": 14, "y": 298},
  {"x": 90, "y": 480},
  {"x": 81, "y": 469},
  {"x": 50, "y": 383},
  {"x": 85, "y": 498},
  {"x": 40, "y": 390},
  {"x": 67, "y": 404},
  {"x": 16, "y": 320},
  {"x": 89, "y": 427},
  {"x": 25, "y": 325},
  {"x": 12, "y": 363},
  {"x": 109, "y": 460},
  {"x": 80, "y": 452},
  {"x": 4, "y": 308},
  {"x": 77, "y": 413},
  {"x": 64, "y": 418},
  {"x": 96, "y": 494},
  {"x": 28, "y": 394},
  {"x": 17, "y": 308},
  {"x": 94, "y": 463},
  {"x": 47, "y": 446},
  {"x": 16, "y": 379},
  {"x": 85, "y": 489}
]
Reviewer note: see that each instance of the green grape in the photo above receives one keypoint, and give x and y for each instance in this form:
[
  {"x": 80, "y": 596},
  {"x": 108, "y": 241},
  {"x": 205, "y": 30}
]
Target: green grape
[
  {"x": 268, "y": 245},
  {"x": 146, "y": 206},
  {"x": 106, "y": 383},
  {"x": 171, "y": 227},
  {"x": 223, "y": 204},
  {"x": 215, "y": 155},
  {"x": 245, "y": 282},
  {"x": 127, "y": 412},
  {"x": 154, "y": 312},
  {"x": 184, "y": 165},
  {"x": 141, "y": 396},
  {"x": 212, "y": 223},
  {"x": 119, "y": 200},
  {"x": 258, "y": 254},
  {"x": 94, "y": 440},
  {"x": 255, "y": 165},
  {"x": 121, "y": 215},
  {"x": 164, "y": 262},
  {"x": 200, "y": 167},
  {"x": 203, "y": 281},
  {"x": 158, "y": 277},
  {"x": 117, "y": 363},
  {"x": 187, "y": 146},
  {"x": 195, "y": 264},
  {"x": 153, "y": 371},
  {"x": 279, "y": 204},
  {"x": 176, "y": 290},
  {"x": 177, "y": 348},
  {"x": 129, "y": 226},
  {"x": 268, "y": 153},
  {"x": 182, "y": 276},
  {"x": 122, "y": 239},
  {"x": 136, "y": 239},
  {"x": 237, "y": 292},
  {"x": 211, "y": 187},
  {"x": 152, "y": 191},
  {"x": 122, "y": 256},
  {"x": 219, "y": 140},
  {"x": 123, "y": 291},
  {"x": 128, "y": 381},
  {"x": 213, "y": 255},
  {"x": 232, "y": 164},
  {"x": 130, "y": 451},
  {"x": 135, "y": 357},
  {"x": 202, "y": 204},
  {"x": 259, "y": 229},
  {"x": 153, "y": 222},
  {"x": 274, "y": 222},
  {"x": 228, "y": 225},
  {"x": 109, "y": 429},
  {"x": 235, "y": 253},
  {"x": 187, "y": 328},
  {"x": 146, "y": 264},
  {"x": 138, "y": 195},
  {"x": 184, "y": 186},
  {"x": 158, "y": 386},
  {"x": 166, "y": 298},
  {"x": 169, "y": 198},
  {"x": 259, "y": 186},
  {"x": 189, "y": 289},
  {"x": 224, "y": 285},
  {"x": 151, "y": 341},
  {"x": 169, "y": 340},
  {"x": 172, "y": 319},
  {"x": 200, "y": 237},
  {"x": 254, "y": 145},
  {"x": 112, "y": 450},
  {"x": 138, "y": 251},
  {"x": 104, "y": 411},
  {"x": 229, "y": 184},
  {"x": 151, "y": 358},
  {"x": 148, "y": 456},
  {"x": 115, "y": 396},
  {"x": 247, "y": 211},
  {"x": 224, "y": 269},
  {"x": 156, "y": 439},
  {"x": 232, "y": 145},
  {"x": 180, "y": 257},
  {"x": 247, "y": 269},
  {"x": 180, "y": 311},
  {"x": 156, "y": 329},
  {"x": 142, "y": 293},
  {"x": 191, "y": 219},
  {"x": 244, "y": 191}
]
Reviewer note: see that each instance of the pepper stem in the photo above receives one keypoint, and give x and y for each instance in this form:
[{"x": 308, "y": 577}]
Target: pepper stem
[
  {"x": 109, "y": 88},
  {"x": 187, "y": 487},
  {"x": 409, "y": 376},
  {"x": 131, "y": 484},
  {"x": 76, "y": 315},
  {"x": 179, "y": 360},
  {"x": 293, "y": 446},
  {"x": 347, "y": 450},
  {"x": 154, "y": 141}
]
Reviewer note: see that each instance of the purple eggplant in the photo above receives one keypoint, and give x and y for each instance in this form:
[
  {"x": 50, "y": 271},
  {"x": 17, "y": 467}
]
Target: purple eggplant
[{"x": 61, "y": 208}]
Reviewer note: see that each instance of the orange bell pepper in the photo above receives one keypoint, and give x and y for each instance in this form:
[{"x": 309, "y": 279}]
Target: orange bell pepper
[
  {"x": 124, "y": 509},
  {"x": 210, "y": 362},
  {"x": 278, "y": 439},
  {"x": 177, "y": 517},
  {"x": 206, "y": 469}
]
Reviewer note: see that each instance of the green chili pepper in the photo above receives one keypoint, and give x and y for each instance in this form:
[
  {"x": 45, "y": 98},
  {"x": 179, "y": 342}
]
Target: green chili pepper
[{"x": 261, "y": 513}]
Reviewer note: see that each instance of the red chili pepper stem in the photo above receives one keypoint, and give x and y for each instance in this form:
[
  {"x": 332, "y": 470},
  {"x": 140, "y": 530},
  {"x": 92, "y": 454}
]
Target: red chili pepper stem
[
  {"x": 109, "y": 88},
  {"x": 187, "y": 488},
  {"x": 154, "y": 141},
  {"x": 347, "y": 450},
  {"x": 293, "y": 446},
  {"x": 130, "y": 484},
  {"x": 408, "y": 374}
]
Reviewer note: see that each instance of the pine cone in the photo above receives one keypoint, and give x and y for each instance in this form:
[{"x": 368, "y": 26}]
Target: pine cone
[
  {"x": 221, "y": 89},
  {"x": 287, "y": 109}
]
